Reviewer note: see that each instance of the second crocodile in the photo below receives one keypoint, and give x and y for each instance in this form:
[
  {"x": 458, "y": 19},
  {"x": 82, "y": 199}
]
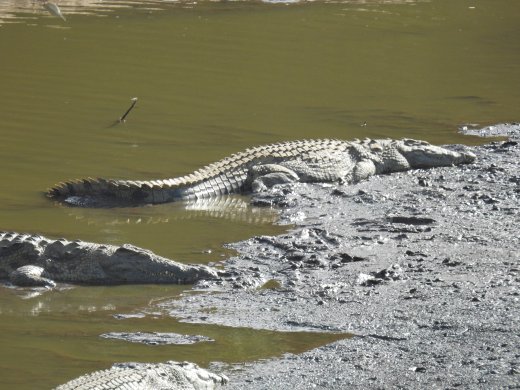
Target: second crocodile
[
  {"x": 33, "y": 260},
  {"x": 255, "y": 169}
]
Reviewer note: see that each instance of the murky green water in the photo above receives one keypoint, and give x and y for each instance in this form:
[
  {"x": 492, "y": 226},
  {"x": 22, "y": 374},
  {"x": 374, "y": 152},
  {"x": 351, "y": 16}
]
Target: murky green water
[
  {"x": 211, "y": 78},
  {"x": 49, "y": 339}
]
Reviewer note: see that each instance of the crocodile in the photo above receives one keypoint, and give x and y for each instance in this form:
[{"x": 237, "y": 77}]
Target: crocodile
[
  {"x": 257, "y": 168},
  {"x": 29, "y": 260},
  {"x": 148, "y": 376}
]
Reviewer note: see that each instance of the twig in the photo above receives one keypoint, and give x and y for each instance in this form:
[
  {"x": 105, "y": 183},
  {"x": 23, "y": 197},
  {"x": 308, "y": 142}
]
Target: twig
[{"x": 134, "y": 101}]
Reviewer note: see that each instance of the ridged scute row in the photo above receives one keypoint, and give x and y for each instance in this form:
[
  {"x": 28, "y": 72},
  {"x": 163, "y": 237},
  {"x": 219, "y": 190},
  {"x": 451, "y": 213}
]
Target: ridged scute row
[
  {"x": 144, "y": 376},
  {"x": 308, "y": 161},
  {"x": 222, "y": 177}
]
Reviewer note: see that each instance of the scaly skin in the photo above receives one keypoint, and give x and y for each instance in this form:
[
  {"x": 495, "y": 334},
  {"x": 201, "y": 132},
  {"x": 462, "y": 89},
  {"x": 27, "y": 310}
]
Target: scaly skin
[
  {"x": 32, "y": 260},
  {"x": 324, "y": 160},
  {"x": 143, "y": 376}
]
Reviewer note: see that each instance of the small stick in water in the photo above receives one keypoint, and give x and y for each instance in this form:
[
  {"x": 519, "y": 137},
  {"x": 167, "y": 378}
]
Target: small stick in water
[{"x": 134, "y": 101}]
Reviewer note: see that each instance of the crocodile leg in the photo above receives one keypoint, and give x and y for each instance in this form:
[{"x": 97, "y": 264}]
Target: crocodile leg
[
  {"x": 261, "y": 177},
  {"x": 30, "y": 276}
]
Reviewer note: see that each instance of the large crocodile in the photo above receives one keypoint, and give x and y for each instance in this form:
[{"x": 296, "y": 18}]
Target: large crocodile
[
  {"x": 143, "y": 376},
  {"x": 33, "y": 260},
  {"x": 254, "y": 169}
]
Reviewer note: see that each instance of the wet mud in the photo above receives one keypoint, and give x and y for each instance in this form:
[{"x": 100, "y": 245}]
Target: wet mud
[{"x": 422, "y": 267}]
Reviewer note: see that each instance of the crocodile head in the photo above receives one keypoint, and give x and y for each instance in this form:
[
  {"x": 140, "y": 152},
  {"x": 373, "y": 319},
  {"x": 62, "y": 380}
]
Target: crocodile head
[
  {"x": 421, "y": 154},
  {"x": 130, "y": 264}
]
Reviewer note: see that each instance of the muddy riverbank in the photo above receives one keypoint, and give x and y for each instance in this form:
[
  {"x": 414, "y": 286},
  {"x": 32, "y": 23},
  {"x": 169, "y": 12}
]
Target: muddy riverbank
[
  {"x": 212, "y": 78},
  {"x": 422, "y": 267}
]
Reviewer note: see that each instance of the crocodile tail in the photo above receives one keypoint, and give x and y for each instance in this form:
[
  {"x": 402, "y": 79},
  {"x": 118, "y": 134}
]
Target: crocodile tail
[
  {"x": 134, "y": 192},
  {"x": 83, "y": 187},
  {"x": 115, "y": 189}
]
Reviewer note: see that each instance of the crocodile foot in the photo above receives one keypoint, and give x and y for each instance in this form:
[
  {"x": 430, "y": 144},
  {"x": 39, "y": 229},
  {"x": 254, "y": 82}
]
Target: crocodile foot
[{"x": 30, "y": 276}]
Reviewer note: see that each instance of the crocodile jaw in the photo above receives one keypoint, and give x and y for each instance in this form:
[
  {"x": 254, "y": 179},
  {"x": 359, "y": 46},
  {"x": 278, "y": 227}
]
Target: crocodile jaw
[
  {"x": 130, "y": 264},
  {"x": 420, "y": 154}
]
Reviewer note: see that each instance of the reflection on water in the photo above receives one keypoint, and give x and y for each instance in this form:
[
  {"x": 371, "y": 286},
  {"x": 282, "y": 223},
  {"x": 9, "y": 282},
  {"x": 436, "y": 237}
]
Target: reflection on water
[
  {"x": 21, "y": 10},
  {"x": 189, "y": 232},
  {"x": 74, "y": 300},
  {"x": 233, "y": 208},
  {"x": 66, "y": 340},
  {"x": 17, "y": 10},
  {"x": 212, "y": 79}
]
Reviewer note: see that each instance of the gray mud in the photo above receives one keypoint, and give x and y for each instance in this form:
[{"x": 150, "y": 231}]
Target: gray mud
[
  {"x": 421, "y": 266},
  {"x": 499, "y": 130}
]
